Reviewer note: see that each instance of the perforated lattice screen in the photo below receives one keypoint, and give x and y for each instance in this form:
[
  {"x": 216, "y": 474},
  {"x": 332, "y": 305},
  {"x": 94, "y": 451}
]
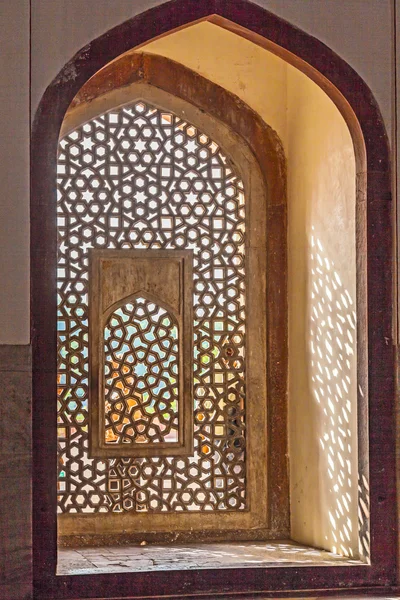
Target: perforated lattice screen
[
  {"x": 140, "y": 177},
  {"x": 141, "y": 370}
]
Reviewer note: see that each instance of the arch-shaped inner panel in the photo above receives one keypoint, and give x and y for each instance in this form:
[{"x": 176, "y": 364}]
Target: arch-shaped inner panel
[{"x": 141, "y": 372}]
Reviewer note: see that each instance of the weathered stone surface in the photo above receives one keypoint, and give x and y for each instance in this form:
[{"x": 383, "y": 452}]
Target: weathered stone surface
[{"x": 15, "y": 473}]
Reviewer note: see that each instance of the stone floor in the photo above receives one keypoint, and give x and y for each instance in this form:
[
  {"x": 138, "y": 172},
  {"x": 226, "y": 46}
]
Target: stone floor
[{"x": 122, "y": 559}]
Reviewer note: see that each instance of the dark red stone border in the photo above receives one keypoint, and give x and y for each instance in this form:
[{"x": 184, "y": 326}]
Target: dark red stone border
[{"x": 374, "y": 243}]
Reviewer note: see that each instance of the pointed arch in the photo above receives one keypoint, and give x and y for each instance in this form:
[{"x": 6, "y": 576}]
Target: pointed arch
[
  {"x": 132, "y": 411},
  {"x": 375, "y": 268},
  {"x": 252, "y": 154}
]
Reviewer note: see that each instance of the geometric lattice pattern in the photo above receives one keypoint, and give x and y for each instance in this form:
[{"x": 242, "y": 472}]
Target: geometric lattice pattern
[
  {"x": 141, "y": 374},
  {"x": 141, "y": 177}
]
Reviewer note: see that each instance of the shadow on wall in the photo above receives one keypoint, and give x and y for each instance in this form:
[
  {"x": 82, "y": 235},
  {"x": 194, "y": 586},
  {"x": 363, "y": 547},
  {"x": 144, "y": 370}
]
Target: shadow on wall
[{"x": 333, "y": 338}]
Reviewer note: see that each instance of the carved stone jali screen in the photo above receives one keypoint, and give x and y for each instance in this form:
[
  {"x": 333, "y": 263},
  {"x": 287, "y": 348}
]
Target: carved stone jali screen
[
  {"x": 140, "y": 339},
  {"x": 140, "y": 179}
]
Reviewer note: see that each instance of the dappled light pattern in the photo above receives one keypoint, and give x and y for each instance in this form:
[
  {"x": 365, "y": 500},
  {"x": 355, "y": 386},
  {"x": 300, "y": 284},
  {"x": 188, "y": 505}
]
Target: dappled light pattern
[
  {"x": 141, "y": 374},
  {"x": 333, "y": 373},
  {"x": 141, "y": 177}
]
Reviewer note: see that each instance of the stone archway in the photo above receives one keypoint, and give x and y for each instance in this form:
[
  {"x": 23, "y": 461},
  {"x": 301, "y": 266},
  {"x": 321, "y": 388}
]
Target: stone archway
[{"x": 358, "y": 107}]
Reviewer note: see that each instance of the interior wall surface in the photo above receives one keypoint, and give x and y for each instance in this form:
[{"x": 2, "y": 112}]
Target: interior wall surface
[
  {"x": 14, "y": 173},
  {"x": 322, "y": 320},
  {"x": 15, "y": 368},
  {"x": 236, "y": 67},
  {"x": 321, "y": 278}
]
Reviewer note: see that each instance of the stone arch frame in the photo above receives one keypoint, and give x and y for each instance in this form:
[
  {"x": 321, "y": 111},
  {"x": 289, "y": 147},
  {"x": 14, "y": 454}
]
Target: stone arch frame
[
  {"x": 375, "y": 273},
  {"x": 244, "y": 138}
]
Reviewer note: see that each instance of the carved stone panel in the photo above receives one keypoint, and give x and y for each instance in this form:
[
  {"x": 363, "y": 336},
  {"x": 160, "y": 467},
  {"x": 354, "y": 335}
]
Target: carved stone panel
[
  {"x": 141, "y": 178},
  {"x": 141, "y": 348}
]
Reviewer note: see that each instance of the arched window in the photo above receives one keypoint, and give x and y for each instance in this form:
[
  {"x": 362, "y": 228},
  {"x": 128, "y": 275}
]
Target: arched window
[
  {"x": 254, "y": 149},
  {"x": 151, "y": 204}
]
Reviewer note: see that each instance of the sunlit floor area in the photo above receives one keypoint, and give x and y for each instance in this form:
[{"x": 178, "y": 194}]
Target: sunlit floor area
[{"x": 120, "y": 559}]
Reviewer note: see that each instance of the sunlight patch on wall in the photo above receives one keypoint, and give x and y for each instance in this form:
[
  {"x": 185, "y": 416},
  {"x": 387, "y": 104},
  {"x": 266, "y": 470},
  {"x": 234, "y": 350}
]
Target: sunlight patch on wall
[{"x": 333, "y": 354}]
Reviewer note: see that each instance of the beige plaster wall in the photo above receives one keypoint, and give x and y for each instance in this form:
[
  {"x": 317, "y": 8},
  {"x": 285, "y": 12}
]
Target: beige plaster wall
[
  {"x": 322, "y": 295},
  {"x": 358, "y": 30},
  {"x": 321, "y": 241}
]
